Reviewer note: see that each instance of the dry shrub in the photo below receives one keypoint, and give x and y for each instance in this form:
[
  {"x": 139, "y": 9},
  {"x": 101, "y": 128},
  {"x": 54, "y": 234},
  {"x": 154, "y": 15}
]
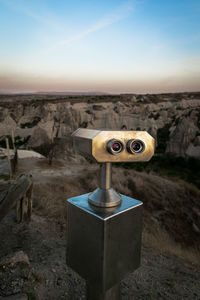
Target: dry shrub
[
  {"x": 49, "y": 198},
  {"x": 167, "y": 210},
  {"x": 173, "y": 205},
  {"x": 161, "y": 241},
  {"x": 44, "y": 164}
]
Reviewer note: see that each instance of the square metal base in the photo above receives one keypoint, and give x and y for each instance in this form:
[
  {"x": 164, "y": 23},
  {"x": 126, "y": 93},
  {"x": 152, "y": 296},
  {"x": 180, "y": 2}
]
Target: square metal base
[{"x": 103, "y": 245}]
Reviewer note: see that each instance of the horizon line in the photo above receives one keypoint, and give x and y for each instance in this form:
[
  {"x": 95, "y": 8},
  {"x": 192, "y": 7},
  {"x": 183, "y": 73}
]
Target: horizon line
[{"x": 92, "y": 93}]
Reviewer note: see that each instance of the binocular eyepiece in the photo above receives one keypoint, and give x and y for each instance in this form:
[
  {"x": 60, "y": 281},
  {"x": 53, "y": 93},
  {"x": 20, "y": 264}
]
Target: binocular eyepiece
[
  {"x": 113, "y": 145},
  {"x": 133, "y": 146}
]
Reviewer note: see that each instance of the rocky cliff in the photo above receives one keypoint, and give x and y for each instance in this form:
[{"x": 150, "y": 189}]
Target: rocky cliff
[{"x": 173, "y": 119}]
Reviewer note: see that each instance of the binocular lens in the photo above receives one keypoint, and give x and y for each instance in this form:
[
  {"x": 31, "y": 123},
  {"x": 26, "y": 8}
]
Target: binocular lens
[
  {"x": 132, "y": 146},
  {"x": 135, "y": 146},
  {"x": 115, "y": 146}
]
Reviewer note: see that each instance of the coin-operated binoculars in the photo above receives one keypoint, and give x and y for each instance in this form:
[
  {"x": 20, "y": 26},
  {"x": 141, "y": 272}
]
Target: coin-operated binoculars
[{"x": 104, "y": 228}]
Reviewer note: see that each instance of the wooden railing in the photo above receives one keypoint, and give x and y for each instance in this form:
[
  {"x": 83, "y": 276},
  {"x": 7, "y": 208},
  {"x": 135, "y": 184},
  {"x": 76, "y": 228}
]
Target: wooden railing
[{"x": 19, "y": 195}]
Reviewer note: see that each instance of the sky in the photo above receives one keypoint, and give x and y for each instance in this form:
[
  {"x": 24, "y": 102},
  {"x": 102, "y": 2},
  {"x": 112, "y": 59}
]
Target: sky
[{"x": 115, "y": 46}]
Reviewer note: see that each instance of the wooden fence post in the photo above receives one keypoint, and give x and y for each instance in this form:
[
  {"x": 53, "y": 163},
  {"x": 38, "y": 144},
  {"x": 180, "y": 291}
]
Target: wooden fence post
[
  {"x": 18, "y": 193},
  {"x": 13, "y": 139},
  {"x": 8, "y": 154}
]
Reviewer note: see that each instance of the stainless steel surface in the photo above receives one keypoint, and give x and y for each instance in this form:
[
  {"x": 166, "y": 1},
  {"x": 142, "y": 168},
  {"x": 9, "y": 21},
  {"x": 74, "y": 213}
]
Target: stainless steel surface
[
  {"x": 112, "y": 294},
  {"x": 93, "y": 143},
  {"x": 105, "y": 176},
  {"x": 82, "y": 140},
  {"x": 98, "y": 145},
  {"x": 105, "y": 195},
  {"x": 104, "y": 198},
  {"x": 104, "y": 228},
  {"x": 103, "y": 245}
]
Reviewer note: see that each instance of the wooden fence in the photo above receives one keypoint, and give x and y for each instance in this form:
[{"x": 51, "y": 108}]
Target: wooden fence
[{"x": 19, "y": 195}]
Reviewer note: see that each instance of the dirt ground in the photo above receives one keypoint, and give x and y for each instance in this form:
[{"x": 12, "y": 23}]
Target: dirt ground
[
  {"x": 161, "y": 276},
  {"x": 43, "y": 240}
]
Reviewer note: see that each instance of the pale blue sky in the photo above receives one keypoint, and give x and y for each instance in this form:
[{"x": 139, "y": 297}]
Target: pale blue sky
[{"x": 111, "y": 46}]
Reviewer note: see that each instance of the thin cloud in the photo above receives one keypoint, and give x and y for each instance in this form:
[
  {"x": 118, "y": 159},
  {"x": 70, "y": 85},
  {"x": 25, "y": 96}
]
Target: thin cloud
[
  {"x": 21, "y": 8},
  {"x": 122, "y": 12}
]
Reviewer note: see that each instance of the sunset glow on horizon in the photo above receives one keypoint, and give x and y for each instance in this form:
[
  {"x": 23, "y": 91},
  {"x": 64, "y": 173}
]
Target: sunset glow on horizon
[{"x": 147, "y": 46}]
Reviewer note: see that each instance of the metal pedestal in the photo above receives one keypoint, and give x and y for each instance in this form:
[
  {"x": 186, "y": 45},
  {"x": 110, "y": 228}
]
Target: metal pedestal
[
  {"x": 103, "y": 244},
  {"x": 105, "y": 195},
  {"x": 112, "y": 294}
]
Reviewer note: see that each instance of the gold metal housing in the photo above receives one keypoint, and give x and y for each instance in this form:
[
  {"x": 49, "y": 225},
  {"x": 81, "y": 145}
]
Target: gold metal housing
[{"x": 93, "y": 143}]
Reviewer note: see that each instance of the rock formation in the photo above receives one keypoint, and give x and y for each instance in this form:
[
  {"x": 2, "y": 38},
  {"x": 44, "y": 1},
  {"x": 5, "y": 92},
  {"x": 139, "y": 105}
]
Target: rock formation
[{"x": 173, "y": 119}]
